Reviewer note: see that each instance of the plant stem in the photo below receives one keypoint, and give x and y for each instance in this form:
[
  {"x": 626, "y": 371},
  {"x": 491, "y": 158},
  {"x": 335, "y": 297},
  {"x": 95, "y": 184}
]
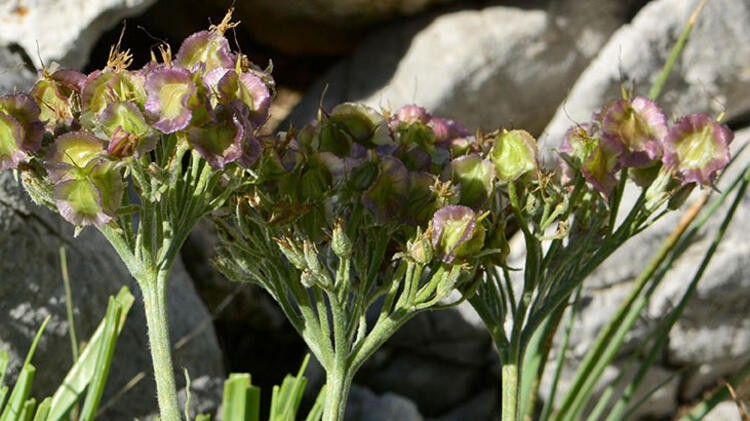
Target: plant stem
[
  {"x": 155, "y": 303},
  {"x": 509, "y": 399},
  {"x": 338, "y": 383}
]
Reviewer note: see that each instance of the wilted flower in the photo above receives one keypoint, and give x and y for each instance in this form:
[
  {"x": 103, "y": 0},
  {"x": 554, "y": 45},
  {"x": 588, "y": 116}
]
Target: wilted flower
[
  {"x": 514, "y": 154},
  {"x": 635, "y": 129},
  {"x": 54, "y": 92},
  {"x": 696, "y": 148},
  {"x": 20, "y": 129},
  {"x": 222, "y": 141},
  {"x": 457, "y": 233},
  {"x": 386, "y": 196}
]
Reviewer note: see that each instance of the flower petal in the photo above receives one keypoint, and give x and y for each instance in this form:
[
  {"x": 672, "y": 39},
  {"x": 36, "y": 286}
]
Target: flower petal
[
  {"x": 169, "y": 90},
  {"x": 636, "y": 129},
  {"x": 70, "y": 153},
  {"x": 207, "y": 48},
  {"x": 696, "y": 148}
]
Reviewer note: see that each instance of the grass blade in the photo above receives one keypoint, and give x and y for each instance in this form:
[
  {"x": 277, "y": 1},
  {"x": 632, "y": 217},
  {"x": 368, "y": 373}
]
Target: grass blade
[
  {"x": 19, "y": 395},
  {"x": 241, "y": 400},
  {"x": 42, "y": 411},
  {"x": 103, "y": 361},
  {"x": 82, "y": 372}
]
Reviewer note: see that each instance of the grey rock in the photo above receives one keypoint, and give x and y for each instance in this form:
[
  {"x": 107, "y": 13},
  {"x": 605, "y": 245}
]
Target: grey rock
[
  {"x": 61, "y": 30},
  {"x": 320, "y": 26},
  {"x": 485, "y": 406},
  {"x": 364, "y": 405},
  {"x": 725, "y": 411},
  {"x": 711, "y": 75},
  {"x": 662, "y": 384},
  {"x": 421, "y": 379},
  {"x": 31, "y": 289},
  {"x": 14, "y": 74},
  {"x": 496, "y": 66}
]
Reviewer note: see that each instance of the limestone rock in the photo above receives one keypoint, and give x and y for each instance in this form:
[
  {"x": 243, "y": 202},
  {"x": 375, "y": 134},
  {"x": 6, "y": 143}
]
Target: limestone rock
[
  {"x": 31, "y": 288},
  {"x": 491, "y": 67},
  {"x": 320, "y": 26},
  {"x": 364, "y": 405},
  {"x": 712, "y": 74},
  {"x": 61, "y": 30},
  {"x": 14, "y": 75}
]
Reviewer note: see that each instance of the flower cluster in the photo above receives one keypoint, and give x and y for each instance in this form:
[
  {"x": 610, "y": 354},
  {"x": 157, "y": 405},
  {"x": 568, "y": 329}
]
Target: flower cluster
[
  {"x": 82, "y": 134},
  {"x": 635, "y": 134},
  {"x": 398, "y": 171}
]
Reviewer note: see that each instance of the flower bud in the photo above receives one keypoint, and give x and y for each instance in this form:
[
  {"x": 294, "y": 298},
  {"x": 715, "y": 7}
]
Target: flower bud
[
  {"x": 514, "y": 154},
  {"x": 311, "y": 257},
  {"x": 419, "y": 249},
  {"x": 457, "y": 233},
  {"x": 340, "y": 242},
  {"x": 292, "y": 252},
  {"x": 308, "y": 279},
  {"x": 475, "y": 177}
]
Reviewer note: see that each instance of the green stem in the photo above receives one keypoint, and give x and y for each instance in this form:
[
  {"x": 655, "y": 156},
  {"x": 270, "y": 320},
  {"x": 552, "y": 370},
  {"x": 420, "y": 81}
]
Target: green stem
[
  {"x": 338, "y": 383},
  {"x": 338, "y": 374},
  {"x": 155, "y": 303},
  {"x": 510, "y": 383}
]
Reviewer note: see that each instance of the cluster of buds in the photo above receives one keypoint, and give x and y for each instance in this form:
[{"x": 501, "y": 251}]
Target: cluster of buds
[
  {"x": 82, "y": 135},
  {"x": 635, "y": 134},
  {"x": 399, "y": 171}
]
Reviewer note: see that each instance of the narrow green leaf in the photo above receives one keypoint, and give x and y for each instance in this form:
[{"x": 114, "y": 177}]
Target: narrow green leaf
[
  {"x": 285, "y": 403},
  {"x": 82, "y": 372},
  {"x": 3, "y": 367},
  {"x": 34, "y": 344},
  {"x": 43, "y": 410},
  {"x": 27, "y": 411},
  {"x": 19, "y": 395},
  {"x": 103, "y": 361},
  {"x": 316, "y": 412},
  {"x": 3, "y": 395},
  {"x": 202, "y": 417},
  {"x": 241, "y": 400}
]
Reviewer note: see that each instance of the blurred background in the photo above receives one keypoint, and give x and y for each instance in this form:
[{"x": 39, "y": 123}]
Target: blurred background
[{"x": 541, "y": 65}]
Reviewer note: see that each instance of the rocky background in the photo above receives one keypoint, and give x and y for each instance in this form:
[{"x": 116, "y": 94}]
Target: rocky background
[{"x": 541, "y": 65}]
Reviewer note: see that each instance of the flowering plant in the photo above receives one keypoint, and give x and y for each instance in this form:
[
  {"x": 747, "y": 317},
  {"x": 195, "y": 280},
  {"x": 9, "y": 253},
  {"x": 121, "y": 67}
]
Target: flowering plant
[
  {"x": 357, "y": 221},
  {"x": 142, "y": 155}
]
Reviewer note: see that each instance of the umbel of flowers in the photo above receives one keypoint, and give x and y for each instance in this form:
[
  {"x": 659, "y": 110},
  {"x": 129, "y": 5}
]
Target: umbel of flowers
[
  {"x": 361, "y": 219},
  {"x": 141, "y": 155}
]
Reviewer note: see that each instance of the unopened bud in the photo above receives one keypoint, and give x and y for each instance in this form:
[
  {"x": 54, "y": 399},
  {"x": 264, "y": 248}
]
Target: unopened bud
[
  {"x": 307, "y": 278},
  {"x": 292, "y": 252},
  {"x": 311, "y": 257},
  {"x": 419, "y": 249},
  {"x": 340, "y": 242}
]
